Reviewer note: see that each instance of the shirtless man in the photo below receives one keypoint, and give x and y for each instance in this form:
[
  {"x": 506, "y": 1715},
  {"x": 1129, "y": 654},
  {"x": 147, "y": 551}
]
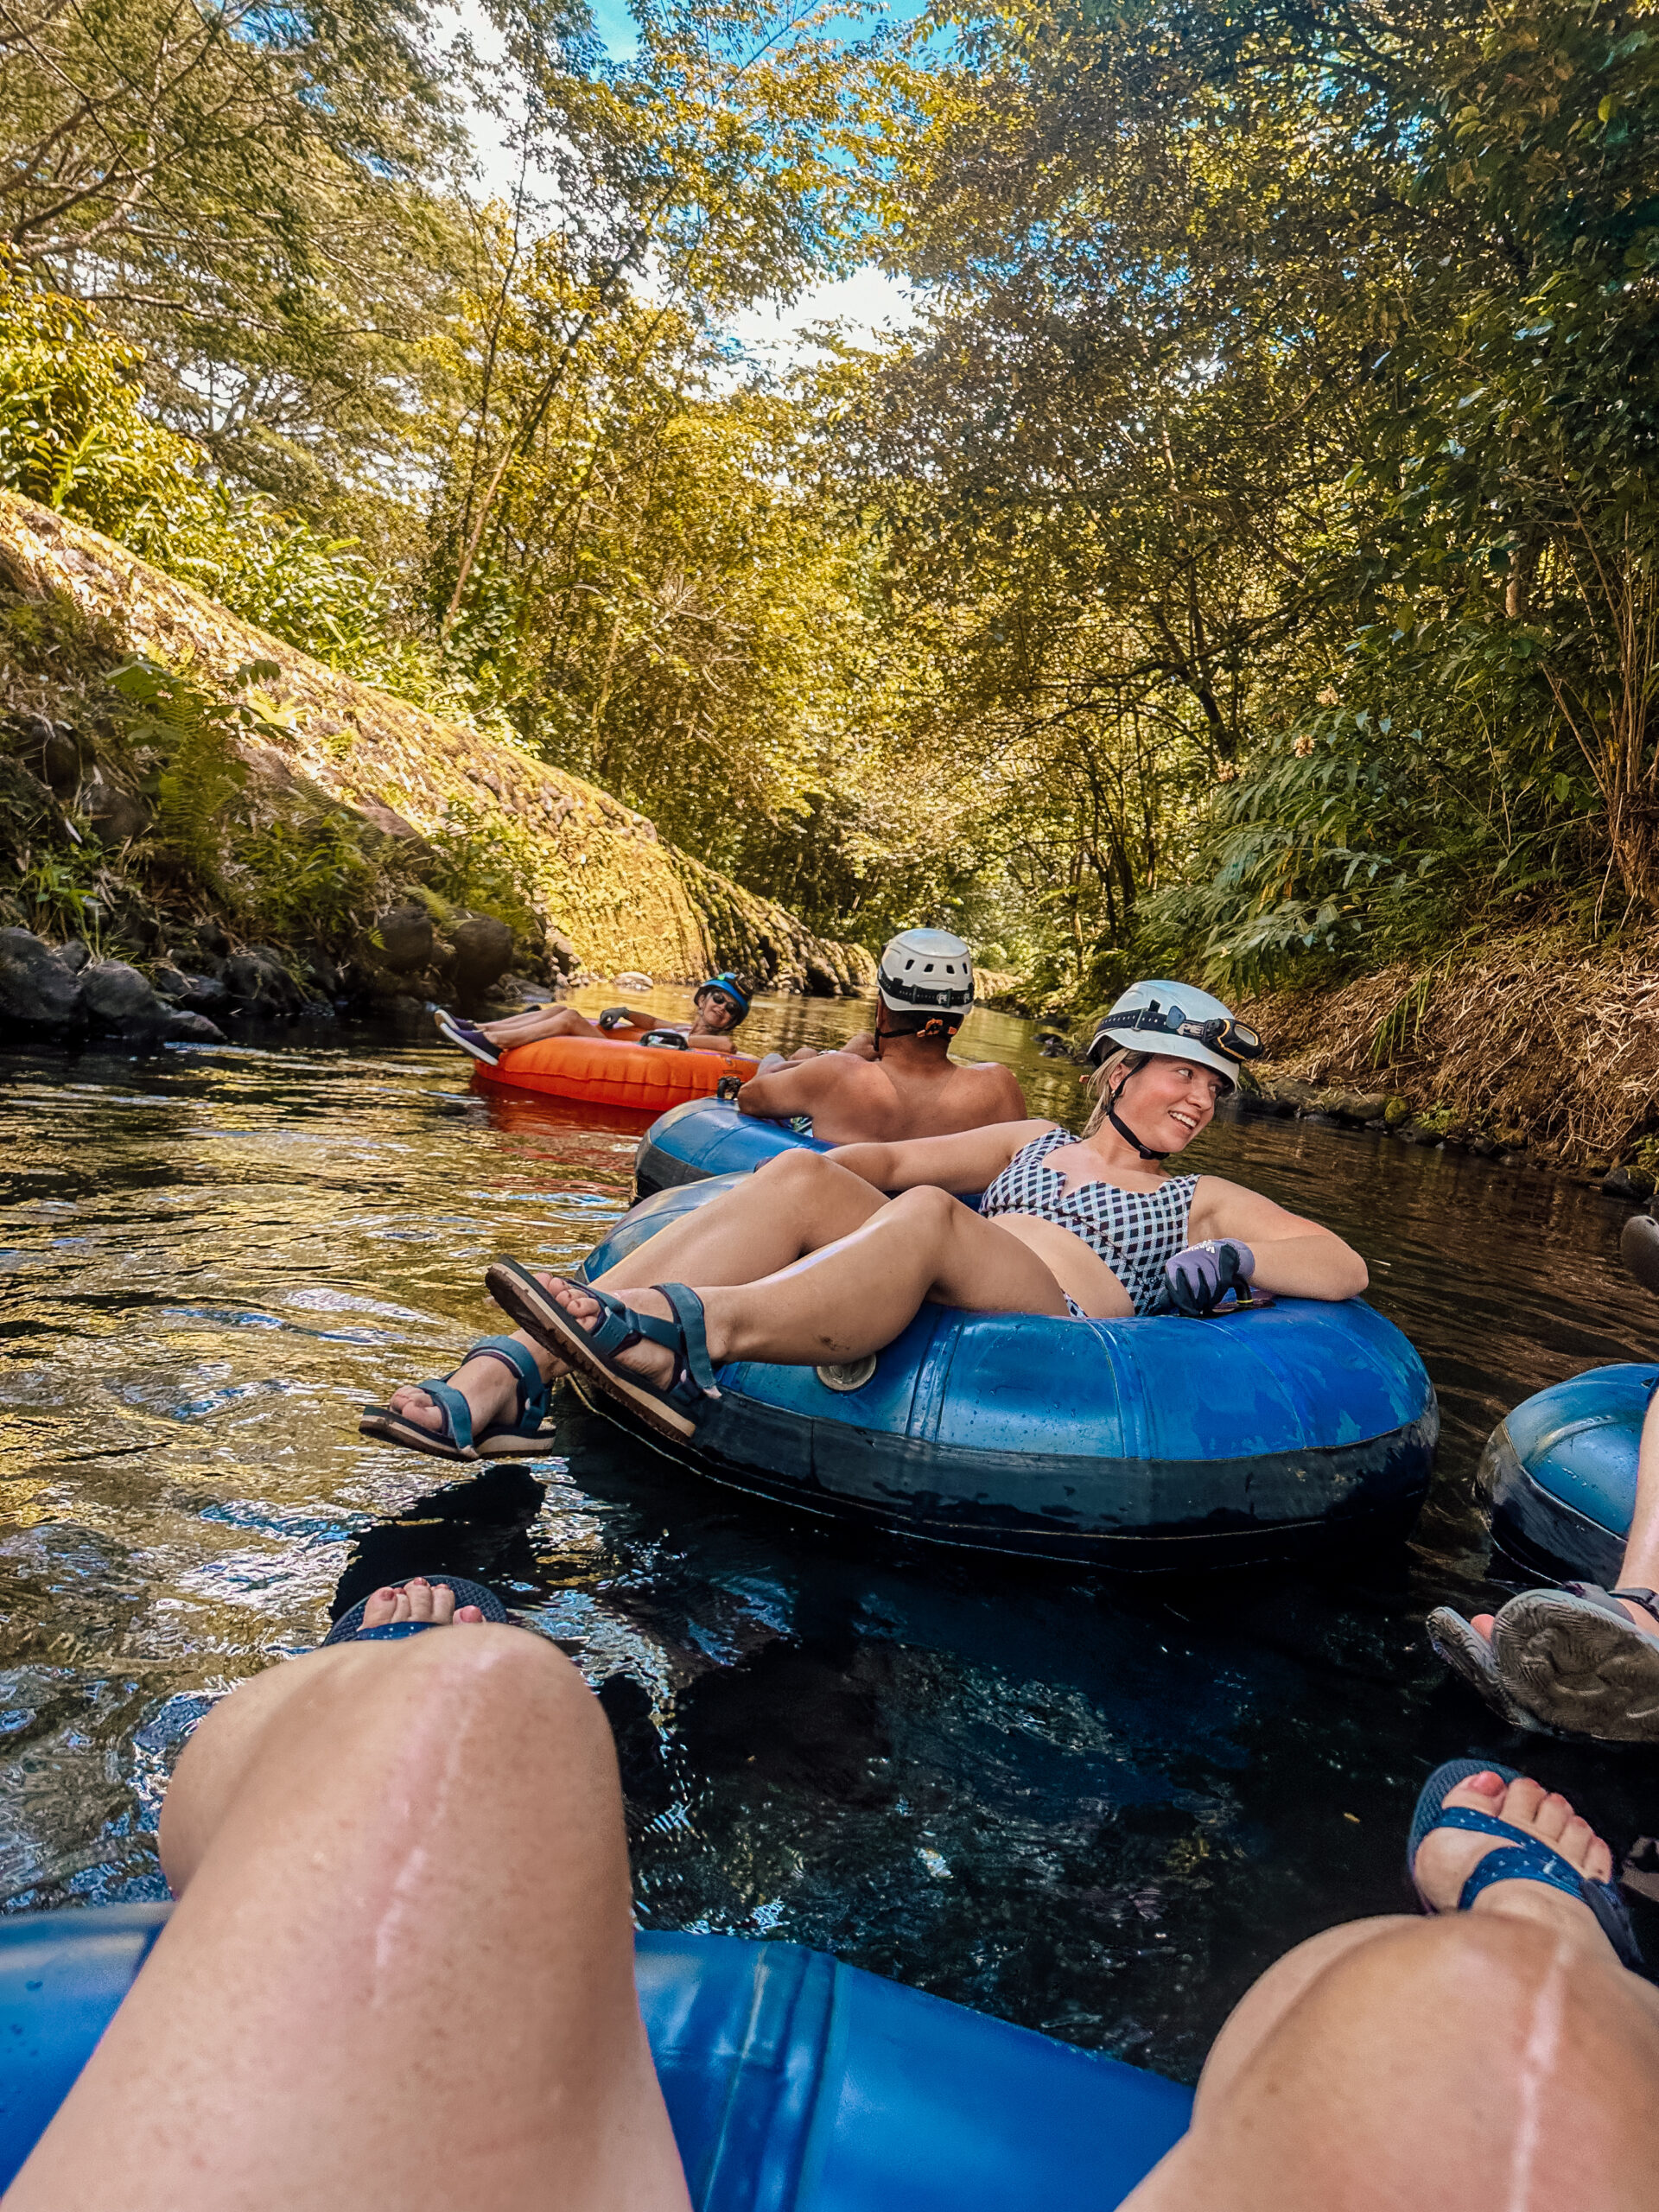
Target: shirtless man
[
  {"x": 902, "y": 1082},
  {"x": 721, "y": 1004}
]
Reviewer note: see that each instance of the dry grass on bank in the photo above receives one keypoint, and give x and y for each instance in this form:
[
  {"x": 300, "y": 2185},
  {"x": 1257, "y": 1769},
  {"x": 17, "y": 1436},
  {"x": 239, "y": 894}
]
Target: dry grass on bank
[{"x": 1530, "y": 1039}]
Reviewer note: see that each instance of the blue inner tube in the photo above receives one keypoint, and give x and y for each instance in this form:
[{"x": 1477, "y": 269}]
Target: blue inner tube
[
  {"x": 704, "y": 1138},
  {"x": 1155, "y": 1444},
  {"x": 794, "y": 2084},
  {"x": 1560, "y": 1473}
]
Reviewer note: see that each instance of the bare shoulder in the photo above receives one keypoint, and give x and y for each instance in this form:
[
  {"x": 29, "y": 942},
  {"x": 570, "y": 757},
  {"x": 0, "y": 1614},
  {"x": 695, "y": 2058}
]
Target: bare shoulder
[{"x": 995, "y": 1075}]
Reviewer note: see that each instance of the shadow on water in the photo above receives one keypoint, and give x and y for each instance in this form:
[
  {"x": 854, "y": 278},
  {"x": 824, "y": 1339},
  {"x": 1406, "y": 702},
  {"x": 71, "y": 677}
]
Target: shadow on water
[{"x": 1096, "y": 1807}]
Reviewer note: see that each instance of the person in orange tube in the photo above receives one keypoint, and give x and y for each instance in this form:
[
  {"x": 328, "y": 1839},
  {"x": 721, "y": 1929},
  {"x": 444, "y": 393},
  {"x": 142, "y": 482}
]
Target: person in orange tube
[{"x": 720, "y": 1005}]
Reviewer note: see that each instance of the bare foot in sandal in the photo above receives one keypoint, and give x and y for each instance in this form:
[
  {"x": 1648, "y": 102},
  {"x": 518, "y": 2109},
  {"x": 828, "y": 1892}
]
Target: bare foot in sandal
[
  {"x": 418, "y": 1599},
  {"x": 652, "y": 1363}
]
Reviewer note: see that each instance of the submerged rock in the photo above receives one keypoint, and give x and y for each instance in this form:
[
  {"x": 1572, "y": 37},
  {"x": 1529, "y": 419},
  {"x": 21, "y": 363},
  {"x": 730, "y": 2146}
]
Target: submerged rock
[{"x": 192, "y": 1029}]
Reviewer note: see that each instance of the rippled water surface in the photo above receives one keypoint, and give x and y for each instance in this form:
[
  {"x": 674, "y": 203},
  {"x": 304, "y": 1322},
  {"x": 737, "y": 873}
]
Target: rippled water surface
[{"x": 1096, "y": 1809}]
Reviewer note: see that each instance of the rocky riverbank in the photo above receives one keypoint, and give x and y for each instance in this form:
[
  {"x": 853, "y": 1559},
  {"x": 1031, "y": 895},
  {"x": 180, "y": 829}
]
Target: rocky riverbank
[
  {"x": 202, "y": 820},
  {"x": 1534, "y": 1050}
]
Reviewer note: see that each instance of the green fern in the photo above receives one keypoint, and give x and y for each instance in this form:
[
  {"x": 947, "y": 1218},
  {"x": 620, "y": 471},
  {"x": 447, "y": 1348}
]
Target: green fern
[{"x": 194, "y": 732}]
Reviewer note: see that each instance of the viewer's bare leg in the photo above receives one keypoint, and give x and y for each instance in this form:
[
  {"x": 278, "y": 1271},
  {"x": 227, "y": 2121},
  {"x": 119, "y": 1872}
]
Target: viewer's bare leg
[
  {"x": 401, "y": 1970},
  {"x": 792, "y": 1205},
  {"x": 1498, "y": 2060}
]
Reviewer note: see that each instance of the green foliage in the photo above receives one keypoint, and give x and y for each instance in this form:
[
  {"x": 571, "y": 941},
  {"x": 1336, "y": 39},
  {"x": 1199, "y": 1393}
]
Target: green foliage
[
  {"x": 1250, "y": 560},
  {"x": 58, "y": 899},
  {"x": 486, "y": 863},
  {"x": 188, "y": 731},
  {"x": 306, "y": 879},
  {"x": 73, "y": 434},
  {"x": 248, "y": 191}
]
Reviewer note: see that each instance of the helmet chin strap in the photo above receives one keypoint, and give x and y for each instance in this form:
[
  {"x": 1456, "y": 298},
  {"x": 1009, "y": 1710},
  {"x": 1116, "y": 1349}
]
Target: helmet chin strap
[{"x": 1126, "y": 1132}]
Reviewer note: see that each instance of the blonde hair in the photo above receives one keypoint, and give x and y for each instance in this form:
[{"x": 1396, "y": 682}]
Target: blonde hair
[{"x": 1102, "y": 1086}]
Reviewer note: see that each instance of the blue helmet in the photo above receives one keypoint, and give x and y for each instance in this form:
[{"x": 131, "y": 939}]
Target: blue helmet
[{"x": 726, "y": 986}]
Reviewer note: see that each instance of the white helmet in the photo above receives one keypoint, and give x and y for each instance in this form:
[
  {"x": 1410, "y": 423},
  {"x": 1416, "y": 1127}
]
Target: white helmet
[
  {"x": 924, "y": 971},
  {"x": 1179, "y": 1022}
]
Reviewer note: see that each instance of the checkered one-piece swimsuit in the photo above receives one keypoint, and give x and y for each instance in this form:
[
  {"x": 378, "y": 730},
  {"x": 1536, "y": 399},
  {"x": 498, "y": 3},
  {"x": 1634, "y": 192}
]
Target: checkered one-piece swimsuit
[{"x": 1133, "y": 1231}]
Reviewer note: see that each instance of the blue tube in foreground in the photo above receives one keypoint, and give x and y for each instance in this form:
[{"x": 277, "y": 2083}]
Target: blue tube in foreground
[{"x": 794, "y": 2084}]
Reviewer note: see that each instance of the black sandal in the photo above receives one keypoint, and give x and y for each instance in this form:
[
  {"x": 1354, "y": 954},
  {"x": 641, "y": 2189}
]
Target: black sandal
[{"x": 593, "y": 1351}]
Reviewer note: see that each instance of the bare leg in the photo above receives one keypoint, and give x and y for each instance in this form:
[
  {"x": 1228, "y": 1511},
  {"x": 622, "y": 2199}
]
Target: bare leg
[
  {"x": 848, "y": 1298},
  {"x": 792, "y": 1205},
  {"x": 1640, "y": 1570},
  {"x": 400, "y": 1971},
  {"x": 545, "y": 1021},
  {"x": 1498, "y": 2060}
]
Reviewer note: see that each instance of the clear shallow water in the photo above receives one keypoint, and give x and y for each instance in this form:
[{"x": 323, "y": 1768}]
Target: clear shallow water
[{"x": 1095, "y": 1807}]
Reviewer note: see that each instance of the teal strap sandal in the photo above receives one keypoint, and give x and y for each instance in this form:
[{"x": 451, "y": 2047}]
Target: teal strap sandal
[
  {"x": 670, "y": 1412},
  {"x": 1527, "y": 1860},
  {"x": 523, "y": 1437}
]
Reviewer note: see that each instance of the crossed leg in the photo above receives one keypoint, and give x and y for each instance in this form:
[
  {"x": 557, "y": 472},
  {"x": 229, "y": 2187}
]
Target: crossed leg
[
  {"x": 401, "y": 1968},
  {"x": 802, "y": 1261},
  {"x": 541, "y": 1022}
]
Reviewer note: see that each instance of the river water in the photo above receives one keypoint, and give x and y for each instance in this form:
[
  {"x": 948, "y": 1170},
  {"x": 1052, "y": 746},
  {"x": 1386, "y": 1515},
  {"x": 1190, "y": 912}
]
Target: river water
[{"x": 1095, "y": 1807}]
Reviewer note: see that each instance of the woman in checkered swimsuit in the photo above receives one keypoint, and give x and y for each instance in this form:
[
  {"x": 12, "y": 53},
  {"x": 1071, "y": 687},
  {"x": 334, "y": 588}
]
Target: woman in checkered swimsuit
[
  {"x": 822, "y": 1258},
  {"x": 1136, "y": 1233}
]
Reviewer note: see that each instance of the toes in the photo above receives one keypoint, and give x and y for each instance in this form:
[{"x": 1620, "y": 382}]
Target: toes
[
  {"x": 380, "y": 1608},
  {"x": 444, "y": 1603},
  {"x": 1554, "y": 1816},
  {"x": 1482, "y": 1624},
  {"x": 415, "y": 1406},
  {"x": 468, "y": 1613},
  {"x": 419, "y": 1596},
  {"x": 1479, "y": 1793},
  {"x": 1521, "y": 1802}
]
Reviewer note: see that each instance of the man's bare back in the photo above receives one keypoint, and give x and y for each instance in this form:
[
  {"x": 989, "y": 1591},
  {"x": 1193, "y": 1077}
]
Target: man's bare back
[{"x": 912, "y": 1091}]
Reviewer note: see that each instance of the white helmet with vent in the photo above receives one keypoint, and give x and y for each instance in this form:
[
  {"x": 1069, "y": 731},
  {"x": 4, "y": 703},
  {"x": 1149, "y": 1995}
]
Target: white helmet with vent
[
  {"x": 927, "y": 971},
  {"x": 1181, "y": 1021}
]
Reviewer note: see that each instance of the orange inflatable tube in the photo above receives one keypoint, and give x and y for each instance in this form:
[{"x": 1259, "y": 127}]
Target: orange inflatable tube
[{"x": 641, "y": 1078}]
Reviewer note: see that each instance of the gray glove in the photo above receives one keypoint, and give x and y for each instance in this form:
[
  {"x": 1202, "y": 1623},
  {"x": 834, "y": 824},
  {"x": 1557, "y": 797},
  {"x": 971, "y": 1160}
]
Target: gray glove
[
  {"x": 1200, "y": 1277},
  {"x": 614, "y": 1017}
]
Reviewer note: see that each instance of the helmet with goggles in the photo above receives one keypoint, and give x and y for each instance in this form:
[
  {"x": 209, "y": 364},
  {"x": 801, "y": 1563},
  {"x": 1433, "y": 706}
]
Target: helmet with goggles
[
  {"x": 1177, "y": 1022},
  {"x": 927, "y": 971}
]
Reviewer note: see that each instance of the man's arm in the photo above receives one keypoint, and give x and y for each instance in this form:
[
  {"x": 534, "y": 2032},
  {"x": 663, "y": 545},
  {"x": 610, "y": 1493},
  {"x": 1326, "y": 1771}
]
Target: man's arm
[{"x": 804, "y": 1088}]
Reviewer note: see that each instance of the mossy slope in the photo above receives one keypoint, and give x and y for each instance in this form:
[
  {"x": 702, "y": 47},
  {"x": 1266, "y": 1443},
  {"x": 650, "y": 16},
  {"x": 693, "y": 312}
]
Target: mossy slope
[{"x": 599, "y": 872}]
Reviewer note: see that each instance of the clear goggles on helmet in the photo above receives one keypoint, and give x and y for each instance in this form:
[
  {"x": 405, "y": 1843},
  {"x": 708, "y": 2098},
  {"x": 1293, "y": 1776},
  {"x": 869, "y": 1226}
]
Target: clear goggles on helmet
[{"x": 1235, "y": 1040}]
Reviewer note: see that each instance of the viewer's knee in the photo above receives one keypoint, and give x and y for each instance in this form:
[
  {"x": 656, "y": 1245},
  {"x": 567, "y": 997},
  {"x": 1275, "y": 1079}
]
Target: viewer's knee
[
  {"x": 486, "y": 1698},
  {"x": 507, "y": 1677},
  {"x": 1481, "y": 2028}
]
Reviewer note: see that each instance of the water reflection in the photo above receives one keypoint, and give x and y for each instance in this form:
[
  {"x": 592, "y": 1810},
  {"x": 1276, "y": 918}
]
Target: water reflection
[{"x": 1094, "y": 1807}]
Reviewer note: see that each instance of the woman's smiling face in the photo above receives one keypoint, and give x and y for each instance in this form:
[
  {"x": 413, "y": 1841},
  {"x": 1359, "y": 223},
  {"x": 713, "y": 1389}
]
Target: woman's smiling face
[{"x": 1168, "y": 1102}]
